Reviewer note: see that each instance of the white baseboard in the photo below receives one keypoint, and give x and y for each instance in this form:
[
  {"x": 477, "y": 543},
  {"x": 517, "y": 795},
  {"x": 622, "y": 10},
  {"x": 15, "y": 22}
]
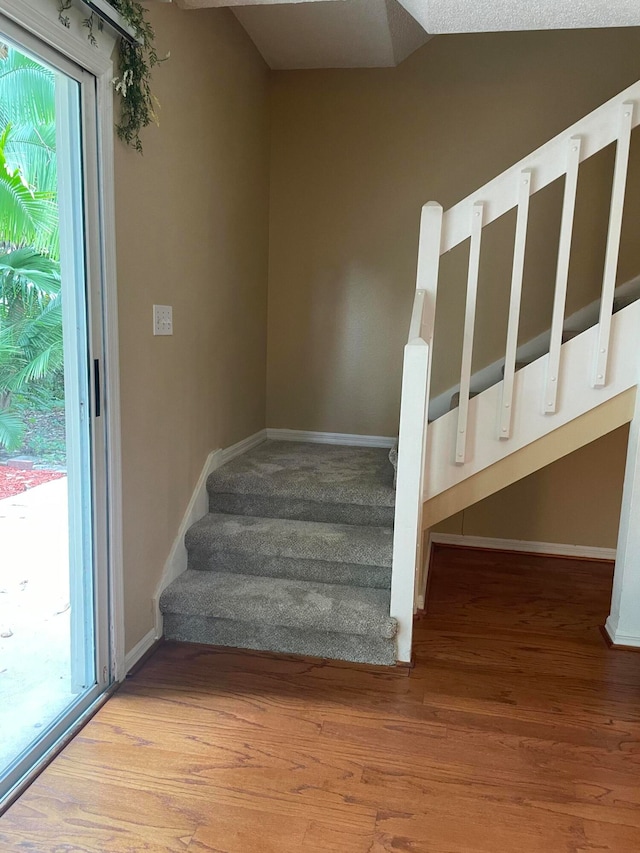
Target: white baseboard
[
  {"x": 619, "y": 639},
  {"x": 139, "y": 650},
  {"x": 345, "y": 438},
  {"x": 197, "y": 507},
  {"x": 586, "y": 552},
  {"x": 229, "y": 453}
]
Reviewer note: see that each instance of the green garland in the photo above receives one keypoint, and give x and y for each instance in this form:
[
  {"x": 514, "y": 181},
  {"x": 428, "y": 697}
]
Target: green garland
[{"x": 138, "y": 104}]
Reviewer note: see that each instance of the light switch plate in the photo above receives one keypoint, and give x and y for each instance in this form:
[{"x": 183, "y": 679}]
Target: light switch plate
[{"x": 162, "y": 320}]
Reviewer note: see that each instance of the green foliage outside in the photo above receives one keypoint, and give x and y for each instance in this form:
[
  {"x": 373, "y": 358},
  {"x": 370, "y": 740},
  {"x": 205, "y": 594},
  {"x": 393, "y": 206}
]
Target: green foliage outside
[{"x": 31, "y": 356}]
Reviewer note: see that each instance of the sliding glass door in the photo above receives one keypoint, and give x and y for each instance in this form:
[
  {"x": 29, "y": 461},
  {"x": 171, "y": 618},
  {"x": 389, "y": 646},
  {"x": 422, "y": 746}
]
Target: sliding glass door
[{"x": 54, "y": 634}]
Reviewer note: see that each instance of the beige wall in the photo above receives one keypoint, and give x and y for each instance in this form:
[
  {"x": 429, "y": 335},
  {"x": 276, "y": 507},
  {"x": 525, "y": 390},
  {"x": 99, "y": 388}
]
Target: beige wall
[
  {"x": 574, "y": 501},
  {"x": 355, "y": 154},
  {"x": 192, "y": 232}
]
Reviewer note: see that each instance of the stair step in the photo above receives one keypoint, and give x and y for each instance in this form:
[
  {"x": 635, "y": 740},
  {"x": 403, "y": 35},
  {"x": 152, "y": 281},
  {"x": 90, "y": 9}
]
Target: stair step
[
  {"x": 287, "y": 641},
  {"x": 307, "y": 482},
  {"x": 268, "y": 613},
  {"x": 285, "y": 548},
  {"x": 277, "y": 601}
]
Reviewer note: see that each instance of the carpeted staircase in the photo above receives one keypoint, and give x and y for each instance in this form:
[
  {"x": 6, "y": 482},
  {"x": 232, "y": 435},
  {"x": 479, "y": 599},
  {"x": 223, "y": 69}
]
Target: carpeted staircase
[{"x": 294, "y": 555}]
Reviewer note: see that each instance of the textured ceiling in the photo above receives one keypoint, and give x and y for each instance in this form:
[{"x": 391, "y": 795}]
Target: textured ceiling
[
  {"x": 326, "y": 33},
  {"x": 334, "y": 34},
  {"x": 379, "y": 33},
  {"x": 472, "y": 16}
]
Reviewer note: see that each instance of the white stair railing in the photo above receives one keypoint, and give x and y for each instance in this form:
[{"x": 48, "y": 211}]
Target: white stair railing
[
  {"x": 412, "y": 441},
  {"x": 439, "y": 233}
]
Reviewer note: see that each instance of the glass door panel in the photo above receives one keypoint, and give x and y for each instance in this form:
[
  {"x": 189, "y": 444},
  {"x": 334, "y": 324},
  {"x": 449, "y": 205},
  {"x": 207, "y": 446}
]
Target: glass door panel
[{"x": 52, "y": 647}]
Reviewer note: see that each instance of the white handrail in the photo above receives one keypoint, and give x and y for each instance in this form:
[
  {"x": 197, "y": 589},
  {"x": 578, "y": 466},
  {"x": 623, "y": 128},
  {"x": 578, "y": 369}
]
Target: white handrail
[
  {"x": 429, "y": 247},
  {"x": 429, "y": 251},
  {"x": 548, "y": 163}
]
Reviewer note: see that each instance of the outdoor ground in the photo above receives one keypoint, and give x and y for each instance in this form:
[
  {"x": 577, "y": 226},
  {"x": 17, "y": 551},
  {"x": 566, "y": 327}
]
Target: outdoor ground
[
  {"x": 14, "y": 481},
  {"x": 34, "y": 610}
]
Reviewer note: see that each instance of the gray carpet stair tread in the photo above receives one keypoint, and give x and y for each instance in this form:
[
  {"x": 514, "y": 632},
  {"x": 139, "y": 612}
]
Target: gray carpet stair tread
[
  {"x": 291, "y": 539},
  {"x": 269, "y": 638},
  {"x": 310, "y": 472},
  {"x": 261, "y": 506},
  {"x": 278, "y": 602}
]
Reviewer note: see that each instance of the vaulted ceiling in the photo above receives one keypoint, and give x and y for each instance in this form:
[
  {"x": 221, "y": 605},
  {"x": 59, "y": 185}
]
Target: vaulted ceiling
[{"x": 382, "y": 33}]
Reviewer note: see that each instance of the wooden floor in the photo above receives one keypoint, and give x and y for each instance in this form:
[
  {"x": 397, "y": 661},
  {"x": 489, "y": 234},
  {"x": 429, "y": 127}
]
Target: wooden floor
[{"x": 518, "y": 731}]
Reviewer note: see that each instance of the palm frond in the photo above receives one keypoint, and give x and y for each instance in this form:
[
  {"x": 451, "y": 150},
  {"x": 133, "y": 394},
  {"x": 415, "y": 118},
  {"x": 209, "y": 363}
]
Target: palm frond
[
  {"x": 44, "y": 359},
  {"x": 41, "y": 344},
  {"x": 11, "y": 429},
  {"x": 31, "y": 150},
  {"x": 26, "y": 216},
  {"x": 31, "y": 345},
  {"x": 25, "y": 270},
  {"x": 27, "y": 90}
]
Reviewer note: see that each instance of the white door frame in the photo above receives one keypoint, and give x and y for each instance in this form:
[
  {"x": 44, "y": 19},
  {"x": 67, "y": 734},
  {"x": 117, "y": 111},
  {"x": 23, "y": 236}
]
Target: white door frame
[{"x": 40, "y": 18}]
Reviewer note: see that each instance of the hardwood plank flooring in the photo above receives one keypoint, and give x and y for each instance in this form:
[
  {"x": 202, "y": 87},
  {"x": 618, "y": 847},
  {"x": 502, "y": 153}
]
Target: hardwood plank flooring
[{"x": 517, "y": 731}]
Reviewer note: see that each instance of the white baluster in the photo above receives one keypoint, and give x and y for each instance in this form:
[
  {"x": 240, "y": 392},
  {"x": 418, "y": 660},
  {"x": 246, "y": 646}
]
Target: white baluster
[
  {"x": 469, "y": 328},
  {"x": 524, "y": 194},
  {"x": 562, "y": 275},
  {"x": 613, "y": 244}
]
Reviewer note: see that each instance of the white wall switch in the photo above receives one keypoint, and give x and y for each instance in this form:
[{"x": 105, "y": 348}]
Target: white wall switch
[{"x": 162, "y": 320}]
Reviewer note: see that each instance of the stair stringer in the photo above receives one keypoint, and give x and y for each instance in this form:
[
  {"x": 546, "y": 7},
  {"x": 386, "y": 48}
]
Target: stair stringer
[
  {"x": 589, "y": 427},
  {"x": 537, "y": 439}
]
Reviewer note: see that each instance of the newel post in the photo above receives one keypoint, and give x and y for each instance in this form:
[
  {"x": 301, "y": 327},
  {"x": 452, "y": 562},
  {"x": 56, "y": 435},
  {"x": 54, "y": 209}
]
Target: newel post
[
  {"x": 407, "y": 540},
  {"x": 623, "y": 624}
]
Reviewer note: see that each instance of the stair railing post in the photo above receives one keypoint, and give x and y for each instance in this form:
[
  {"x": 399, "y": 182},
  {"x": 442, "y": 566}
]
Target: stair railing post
[
  {"x": 623, "y": 623},
  {"x": 407, "y": 540}
]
